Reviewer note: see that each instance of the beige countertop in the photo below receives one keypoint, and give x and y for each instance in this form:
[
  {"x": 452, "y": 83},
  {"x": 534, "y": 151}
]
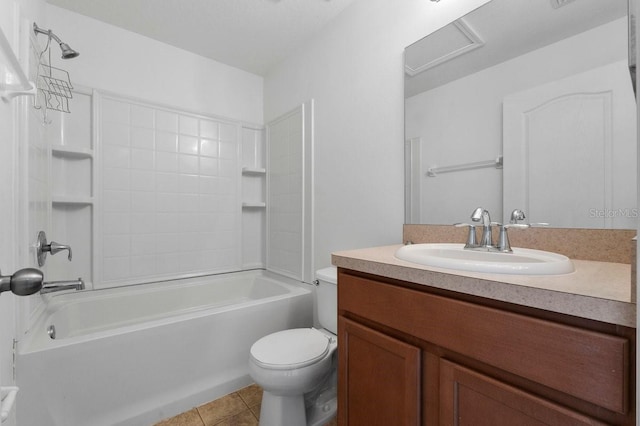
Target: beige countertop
[{"x": 595, "y": 290}]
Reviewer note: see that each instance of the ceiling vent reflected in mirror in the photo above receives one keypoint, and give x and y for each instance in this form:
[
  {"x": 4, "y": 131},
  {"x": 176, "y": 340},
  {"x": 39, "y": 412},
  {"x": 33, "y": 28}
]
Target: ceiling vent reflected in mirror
[{"x": 442, "y": 46}]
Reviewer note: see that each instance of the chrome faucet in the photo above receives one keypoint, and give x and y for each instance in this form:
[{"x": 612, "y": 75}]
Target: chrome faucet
[
  {"x": 50, "y": 287},
  {"x": 486, "y": 241},
  {"x": 480, "y": 214}
]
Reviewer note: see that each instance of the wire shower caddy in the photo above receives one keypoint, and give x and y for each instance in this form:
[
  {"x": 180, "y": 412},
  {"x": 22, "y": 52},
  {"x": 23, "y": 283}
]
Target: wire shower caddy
[{"x": 55, "y": 86}]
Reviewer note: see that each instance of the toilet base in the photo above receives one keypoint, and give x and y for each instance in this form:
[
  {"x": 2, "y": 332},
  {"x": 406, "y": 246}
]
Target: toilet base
[
  {"x": 279, "y": 410},
  {"x": 324, "y": 408}
]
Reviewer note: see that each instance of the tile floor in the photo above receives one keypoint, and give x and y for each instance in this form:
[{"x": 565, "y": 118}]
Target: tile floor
[{"x": 241, "y": 408}]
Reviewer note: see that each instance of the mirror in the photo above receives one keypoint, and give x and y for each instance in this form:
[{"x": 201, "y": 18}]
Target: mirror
[{"x": 523, "y": 104}]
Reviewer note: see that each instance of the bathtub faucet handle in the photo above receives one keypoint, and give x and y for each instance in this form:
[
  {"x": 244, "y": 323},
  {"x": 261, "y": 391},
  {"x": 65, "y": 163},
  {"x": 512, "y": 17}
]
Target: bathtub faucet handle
[
  {"x": 43, "y": 247},
  {"x": 54, "y": 248}
]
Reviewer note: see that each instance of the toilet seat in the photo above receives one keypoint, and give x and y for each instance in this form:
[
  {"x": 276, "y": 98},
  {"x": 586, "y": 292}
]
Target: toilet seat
[{"x": 290, "y": 349}]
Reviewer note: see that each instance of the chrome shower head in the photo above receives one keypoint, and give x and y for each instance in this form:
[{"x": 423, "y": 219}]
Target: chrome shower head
[{"x": 67, "y": 52}]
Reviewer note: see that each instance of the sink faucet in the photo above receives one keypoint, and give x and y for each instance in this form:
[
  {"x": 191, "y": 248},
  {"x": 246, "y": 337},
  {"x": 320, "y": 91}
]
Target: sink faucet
[
  {"x": 50, "y": 287},
  {"x": 486, "y": 241},
  {"x": 481, "y": 214}
]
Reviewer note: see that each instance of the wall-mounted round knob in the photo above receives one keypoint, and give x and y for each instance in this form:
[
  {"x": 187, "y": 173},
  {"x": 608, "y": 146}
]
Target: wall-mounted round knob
[{"x": 23, "y": 283}]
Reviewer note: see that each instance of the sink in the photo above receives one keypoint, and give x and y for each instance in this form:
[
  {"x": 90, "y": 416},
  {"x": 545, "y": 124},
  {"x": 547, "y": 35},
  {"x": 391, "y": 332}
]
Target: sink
[{"x": 453, "y": 256}]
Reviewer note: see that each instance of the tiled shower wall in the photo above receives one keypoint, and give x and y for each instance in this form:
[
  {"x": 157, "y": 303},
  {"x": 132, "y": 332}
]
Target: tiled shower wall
[{"x": 170, "y": 193}]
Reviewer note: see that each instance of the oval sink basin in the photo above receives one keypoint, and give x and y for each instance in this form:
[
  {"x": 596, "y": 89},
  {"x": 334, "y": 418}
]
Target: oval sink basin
[{"x": 453, "y": 256}]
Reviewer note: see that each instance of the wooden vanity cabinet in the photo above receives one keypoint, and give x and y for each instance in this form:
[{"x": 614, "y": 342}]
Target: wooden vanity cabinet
[{"x": 415, "y": 355}]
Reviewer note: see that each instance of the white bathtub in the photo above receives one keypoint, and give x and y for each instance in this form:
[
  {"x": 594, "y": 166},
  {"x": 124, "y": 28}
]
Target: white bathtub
[{"x": 133, "y": 356}]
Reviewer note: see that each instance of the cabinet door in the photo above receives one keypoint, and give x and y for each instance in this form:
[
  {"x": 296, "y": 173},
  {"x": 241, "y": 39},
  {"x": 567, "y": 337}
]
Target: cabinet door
[
  {"x": 379, "y": 378},
  {"x": 470, "y": 398}
]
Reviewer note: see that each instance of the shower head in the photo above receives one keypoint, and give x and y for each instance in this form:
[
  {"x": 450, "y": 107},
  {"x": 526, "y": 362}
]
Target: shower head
[{"x": 67, "y": 52}]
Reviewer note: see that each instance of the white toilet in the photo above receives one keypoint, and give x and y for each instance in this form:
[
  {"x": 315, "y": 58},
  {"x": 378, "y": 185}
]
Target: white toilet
[{"x": 297, "y": 368}]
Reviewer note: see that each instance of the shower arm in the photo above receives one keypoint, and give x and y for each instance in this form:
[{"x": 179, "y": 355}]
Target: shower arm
[
  {"x": 67, "y": 52},
  {"x": 49, "y": 33}
]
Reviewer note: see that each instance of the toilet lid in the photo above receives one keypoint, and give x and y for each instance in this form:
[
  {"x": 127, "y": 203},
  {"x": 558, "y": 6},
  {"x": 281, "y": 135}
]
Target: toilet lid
[{"x": 293, "y": 348}]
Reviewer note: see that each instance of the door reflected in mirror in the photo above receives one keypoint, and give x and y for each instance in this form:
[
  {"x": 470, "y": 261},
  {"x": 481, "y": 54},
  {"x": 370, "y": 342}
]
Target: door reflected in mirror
[{"x": 525, "y": 105}]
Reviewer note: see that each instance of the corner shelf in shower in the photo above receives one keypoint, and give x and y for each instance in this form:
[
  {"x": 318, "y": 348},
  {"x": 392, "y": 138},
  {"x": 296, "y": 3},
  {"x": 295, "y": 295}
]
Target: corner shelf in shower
[
  {"x": 71, "y": 200},
  {"x": 256, "y": 205},
  {"x": 253, "y": 171},
  {"x": 71, "y": 153}
]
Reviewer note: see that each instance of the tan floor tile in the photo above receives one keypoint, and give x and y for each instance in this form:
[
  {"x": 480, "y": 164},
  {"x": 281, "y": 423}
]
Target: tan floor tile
[
  {"x": 189, "y": 418},
  {"x": 215, "y": 411},
  {"x": 255, "y": 409},
  {"x": 251, "y": 395},
  {"x": 246, "y": 418}
]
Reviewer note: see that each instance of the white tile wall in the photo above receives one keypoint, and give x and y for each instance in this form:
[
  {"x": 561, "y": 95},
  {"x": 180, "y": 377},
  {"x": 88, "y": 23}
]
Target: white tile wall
[
  {"x": 170, "y": 194},
  {"x": 71, "y": 189}
]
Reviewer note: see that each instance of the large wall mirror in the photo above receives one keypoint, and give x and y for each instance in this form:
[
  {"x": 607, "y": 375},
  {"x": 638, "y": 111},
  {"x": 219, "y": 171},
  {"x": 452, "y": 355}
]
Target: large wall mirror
[{"x": 523, "y": 104}]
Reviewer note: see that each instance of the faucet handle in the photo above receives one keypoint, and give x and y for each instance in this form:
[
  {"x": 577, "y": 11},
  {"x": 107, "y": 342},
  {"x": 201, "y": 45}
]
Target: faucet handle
[
  {"x": 517, "y": 225},
  {"x": 517, "y": 215},
  {"x": 462, "y": 225},
  {"x": 471, "y": 236},
  {"x": 54, "y": 248},
  {"x": 43, "y": 247}
]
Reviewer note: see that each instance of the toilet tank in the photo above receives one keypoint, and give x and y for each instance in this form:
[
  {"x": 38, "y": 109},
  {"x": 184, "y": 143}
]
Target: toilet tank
[{"x": 327, "y": 298}]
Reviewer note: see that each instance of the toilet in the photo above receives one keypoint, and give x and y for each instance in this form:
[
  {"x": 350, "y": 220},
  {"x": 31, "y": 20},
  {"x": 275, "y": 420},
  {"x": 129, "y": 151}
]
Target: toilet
[{"x": 297, "y": 368}]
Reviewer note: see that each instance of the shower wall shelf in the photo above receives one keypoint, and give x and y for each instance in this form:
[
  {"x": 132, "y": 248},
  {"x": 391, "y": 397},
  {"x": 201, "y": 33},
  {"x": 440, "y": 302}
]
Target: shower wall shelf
[
  {"x": 70, "y": 152},
  {"x": 72, "y": 184},
  {"x": 14, "y": 81},
  {"x": 253, "y": 171},
  {"x": 253, "y": 205},
  {"x": 71, "y": 200}
]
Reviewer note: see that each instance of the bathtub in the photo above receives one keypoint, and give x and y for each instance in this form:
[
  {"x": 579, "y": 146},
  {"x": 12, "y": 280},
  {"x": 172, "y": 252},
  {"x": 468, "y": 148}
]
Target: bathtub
[{"x": 137, "y": 355}]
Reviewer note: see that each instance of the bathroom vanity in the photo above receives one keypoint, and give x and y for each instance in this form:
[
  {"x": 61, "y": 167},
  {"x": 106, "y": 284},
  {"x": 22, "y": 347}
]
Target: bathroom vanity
[{"x": 427, "y": 346}]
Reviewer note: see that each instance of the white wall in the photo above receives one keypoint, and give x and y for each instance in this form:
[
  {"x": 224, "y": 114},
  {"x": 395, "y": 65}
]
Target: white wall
[
  {"x": 477, "y": 102},
  {"x": 13, "y": 246},
  {"x": 8, "y": 260},
  {"x": 124, "y": 62},
  {"x": 354, "y": 71}
]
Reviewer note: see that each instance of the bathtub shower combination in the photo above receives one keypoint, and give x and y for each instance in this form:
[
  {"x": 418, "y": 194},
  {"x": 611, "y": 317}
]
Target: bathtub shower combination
[{"x": 132, "y": 356}]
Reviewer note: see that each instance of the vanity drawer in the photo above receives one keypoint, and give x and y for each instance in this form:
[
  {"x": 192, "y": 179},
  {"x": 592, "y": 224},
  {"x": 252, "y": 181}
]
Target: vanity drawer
[{"x": 589, "y": 365}]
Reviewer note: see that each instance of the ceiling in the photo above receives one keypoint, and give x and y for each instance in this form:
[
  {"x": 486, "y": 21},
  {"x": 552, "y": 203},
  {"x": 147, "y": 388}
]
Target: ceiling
[
  {"x": 253, "y": 35},
  {"x": 507, "y": 29}
]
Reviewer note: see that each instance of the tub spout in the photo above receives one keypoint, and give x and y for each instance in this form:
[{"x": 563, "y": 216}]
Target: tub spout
[{"x": 52, "y": 286}]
